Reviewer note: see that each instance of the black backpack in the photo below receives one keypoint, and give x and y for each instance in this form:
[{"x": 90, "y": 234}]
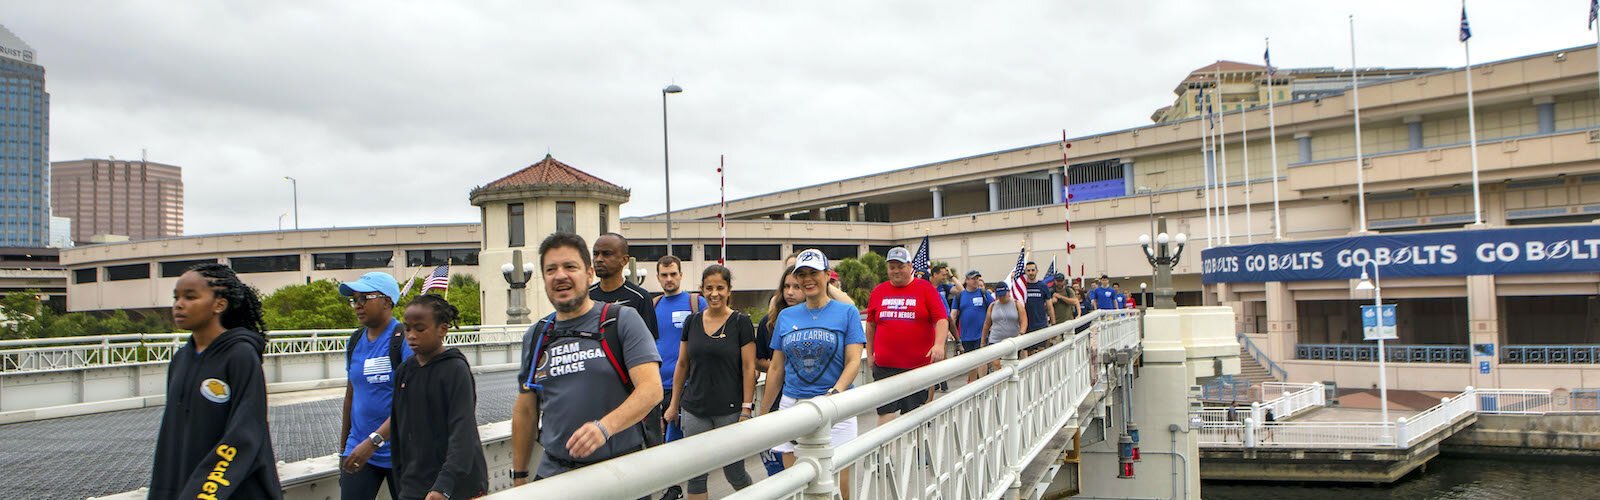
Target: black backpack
[
  {"x": 395, "y": 351},
  {"x": 608, "y": 337}
]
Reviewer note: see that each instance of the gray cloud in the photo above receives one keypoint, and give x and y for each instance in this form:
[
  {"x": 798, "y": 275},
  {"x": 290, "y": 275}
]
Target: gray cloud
[{"x": 389, "y": 112}]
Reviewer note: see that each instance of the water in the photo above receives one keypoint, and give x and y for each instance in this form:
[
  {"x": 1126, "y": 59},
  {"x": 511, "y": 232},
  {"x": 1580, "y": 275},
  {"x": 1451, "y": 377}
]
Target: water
[{"x": 1446, "y": 478}]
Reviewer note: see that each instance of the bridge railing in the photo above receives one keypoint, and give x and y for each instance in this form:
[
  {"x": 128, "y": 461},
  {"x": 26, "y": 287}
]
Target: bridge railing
[
  {"x": 1294, "y": 399},
  {"x": 970, "y": 443},
  {"x": 73, "y": 353}
]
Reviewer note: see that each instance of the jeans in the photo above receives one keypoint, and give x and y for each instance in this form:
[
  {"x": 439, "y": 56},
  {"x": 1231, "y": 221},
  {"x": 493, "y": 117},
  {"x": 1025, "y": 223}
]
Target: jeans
[
  {"x": 363, "y": 484},
  {"x": 735, "y": 472}
]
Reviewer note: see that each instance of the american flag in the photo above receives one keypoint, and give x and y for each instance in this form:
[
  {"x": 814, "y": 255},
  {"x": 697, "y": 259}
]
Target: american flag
[
  {"x": 1466, "y": 30},
  {"x": 1050, "y": 276},
  {"x": 440, "y": 279},
  {"x": 919, "y": 262},
  {"x": 1594, "y": 12},
  {"x": 1018, "y": 280},
  {"x": 1267, "y": 55}
]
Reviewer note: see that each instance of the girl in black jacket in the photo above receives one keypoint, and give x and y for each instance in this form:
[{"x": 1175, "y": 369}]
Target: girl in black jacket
[
  {"x": 437, "y": 451},
  {"x": 213, "y": 441}
]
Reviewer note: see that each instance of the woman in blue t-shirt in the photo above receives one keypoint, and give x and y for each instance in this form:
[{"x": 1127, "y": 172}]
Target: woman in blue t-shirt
[{"x": 816, "y": 348}]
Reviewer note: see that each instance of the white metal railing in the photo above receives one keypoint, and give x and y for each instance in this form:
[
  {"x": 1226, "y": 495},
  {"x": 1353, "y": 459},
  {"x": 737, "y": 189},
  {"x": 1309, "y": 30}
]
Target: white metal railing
[
  {"x": 970, "y": 443},
  {"x": 1321, "y": 434},
  {"x": 74, "y": 353},
  {"x": 1419, "y": 426},
  {"x": 1294, "y": 400}
]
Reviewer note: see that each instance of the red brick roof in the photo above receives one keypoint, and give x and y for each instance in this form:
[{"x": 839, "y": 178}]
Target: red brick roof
[{"x": 549, "y": 172}]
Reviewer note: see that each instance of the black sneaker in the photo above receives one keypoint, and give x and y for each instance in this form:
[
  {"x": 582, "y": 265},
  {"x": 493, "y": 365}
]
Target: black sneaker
[{"x": 673, "y": 493}]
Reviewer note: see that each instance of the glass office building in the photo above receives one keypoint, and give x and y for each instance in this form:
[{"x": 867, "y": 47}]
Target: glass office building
[{"x": 24, "y": 146}]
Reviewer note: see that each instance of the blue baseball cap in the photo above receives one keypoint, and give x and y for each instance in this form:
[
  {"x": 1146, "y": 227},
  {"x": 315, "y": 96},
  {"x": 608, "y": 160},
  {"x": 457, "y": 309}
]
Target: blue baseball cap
[
  {"x": 1001, "y": 286},
  {"x": 380, "y": 282}
]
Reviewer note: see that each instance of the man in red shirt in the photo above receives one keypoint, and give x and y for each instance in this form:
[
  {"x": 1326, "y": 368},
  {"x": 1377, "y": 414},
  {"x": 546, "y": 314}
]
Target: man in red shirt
[{"x": 906, "y": 324}]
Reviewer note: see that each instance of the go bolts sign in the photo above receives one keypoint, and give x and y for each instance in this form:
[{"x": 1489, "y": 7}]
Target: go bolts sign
[{"x": 1554, "y": 249}]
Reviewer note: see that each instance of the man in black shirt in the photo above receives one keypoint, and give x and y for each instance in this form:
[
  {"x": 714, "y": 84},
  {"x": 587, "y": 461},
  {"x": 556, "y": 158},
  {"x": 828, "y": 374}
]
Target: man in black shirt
[{"x": 610, "y": 258}]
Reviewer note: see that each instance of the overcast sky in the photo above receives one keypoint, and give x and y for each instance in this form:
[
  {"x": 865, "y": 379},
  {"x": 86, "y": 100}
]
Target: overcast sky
[{"x": 390, "y": 112}]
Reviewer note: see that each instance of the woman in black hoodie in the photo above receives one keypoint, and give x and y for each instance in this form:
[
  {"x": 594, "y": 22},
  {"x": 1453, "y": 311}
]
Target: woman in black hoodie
[
  {"x": 437, "y": 451},
  {"x": 213, "y": 441}
]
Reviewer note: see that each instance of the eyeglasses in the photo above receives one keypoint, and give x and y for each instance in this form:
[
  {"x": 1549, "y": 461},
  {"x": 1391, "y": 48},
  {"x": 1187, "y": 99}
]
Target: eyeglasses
[{"x": 358, "y": 299}]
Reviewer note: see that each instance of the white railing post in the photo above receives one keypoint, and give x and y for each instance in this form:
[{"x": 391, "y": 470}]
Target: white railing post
[
  {"x": 1255, "y": 410},
  {"x": 1011, "y": 418},
  {"x": 816, "y": 447},
  {"x": 105, "y": 351},
  {"x": 1250, "y": 432},
  {"x": 1400, "y": 437}
]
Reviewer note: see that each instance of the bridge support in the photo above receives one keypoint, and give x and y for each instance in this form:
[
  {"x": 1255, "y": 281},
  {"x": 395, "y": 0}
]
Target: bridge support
[{"x": 1160, "y": 403}]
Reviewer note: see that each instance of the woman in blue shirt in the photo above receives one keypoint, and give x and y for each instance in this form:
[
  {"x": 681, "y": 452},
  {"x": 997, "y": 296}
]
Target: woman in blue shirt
[
  {"x": 373, "y": 354},
  {"x": 816, "y": 348}
]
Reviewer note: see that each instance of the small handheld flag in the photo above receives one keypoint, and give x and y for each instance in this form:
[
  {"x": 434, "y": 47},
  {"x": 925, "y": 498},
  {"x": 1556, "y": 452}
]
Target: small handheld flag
[
  {"x": 1018, "y": 280},
  {"x": 440, "y": 279}
]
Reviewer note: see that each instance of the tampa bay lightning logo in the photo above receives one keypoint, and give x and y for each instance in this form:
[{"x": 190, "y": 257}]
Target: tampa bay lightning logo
[{"x": 812, "y": 351}]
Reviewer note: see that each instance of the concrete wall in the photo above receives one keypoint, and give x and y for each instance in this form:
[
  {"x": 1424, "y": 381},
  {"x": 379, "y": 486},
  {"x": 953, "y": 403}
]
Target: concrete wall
[{"x": 1538, "y": 435}]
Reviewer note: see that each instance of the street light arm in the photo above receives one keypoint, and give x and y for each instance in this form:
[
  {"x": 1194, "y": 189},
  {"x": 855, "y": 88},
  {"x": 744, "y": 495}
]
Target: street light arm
[{"x": 1178, "y": 254}]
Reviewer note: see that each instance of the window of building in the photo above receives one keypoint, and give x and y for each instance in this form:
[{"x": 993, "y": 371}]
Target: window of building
[
  {"x": 176, "y": 268},
  {"x": 746, "y": 252},
  {"x": 881, "y": 250},
  {"x": 605, "y": 218},
  {"x": 649, "y": 254},
  {"x": 351, "y": 260},
  {"x": 87, "y": 275},
  {"x": 515, "y": 230},
  {"x": 453, "y": 256},
  {"x": 128, "y": 272},
  {"x": 566, "y": 217},
  {"x": 836, "y": 252},
  {"x": 265, "y": 264}
]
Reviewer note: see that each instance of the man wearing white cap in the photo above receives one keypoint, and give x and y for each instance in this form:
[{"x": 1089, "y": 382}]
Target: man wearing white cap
[{"x": 907, "y": 322}]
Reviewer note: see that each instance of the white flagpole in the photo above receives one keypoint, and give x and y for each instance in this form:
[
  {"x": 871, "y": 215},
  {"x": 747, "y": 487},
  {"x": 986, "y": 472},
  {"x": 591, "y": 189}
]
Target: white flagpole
[
  {"x": 1222, "y": 179},
  {"x": 722, "y": 215},
  {"x": 1472, "y": 124},
  {"x": 1216, "y": 195},
  {"x": 1205, "y": 162},
  {"x": 1272, "y": 134},
  {"x": 1244, "y": 148},
  {"x": 1355, "y": 94}
]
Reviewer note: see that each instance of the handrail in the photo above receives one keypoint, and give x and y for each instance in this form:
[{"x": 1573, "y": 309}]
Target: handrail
[
  {"x": 1035, "y": 389},
  {"x": 1259, "y": 355}
]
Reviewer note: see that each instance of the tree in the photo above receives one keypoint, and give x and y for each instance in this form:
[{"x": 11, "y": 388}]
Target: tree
[
  {"x": 856, "y": 279},
  {"x": 314, "y": 305},
  {"x": 25, "y": 316},
  {"x": 878, "y": 266}
]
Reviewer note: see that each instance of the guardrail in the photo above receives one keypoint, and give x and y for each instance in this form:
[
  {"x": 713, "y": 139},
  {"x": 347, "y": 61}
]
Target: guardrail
[
  {"x": 73, "y": 353},
  {"x": 1397, "y": 353},
  {"x": 1261, "y": 356},
  {"x": 1551, "y": 354},
  {"x": 1216, "y": 429},
  {"x": 971, "y": 443}
]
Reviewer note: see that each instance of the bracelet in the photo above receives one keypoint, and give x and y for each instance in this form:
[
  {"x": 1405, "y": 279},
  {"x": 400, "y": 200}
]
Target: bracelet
[{"x": 605, "y": 435}]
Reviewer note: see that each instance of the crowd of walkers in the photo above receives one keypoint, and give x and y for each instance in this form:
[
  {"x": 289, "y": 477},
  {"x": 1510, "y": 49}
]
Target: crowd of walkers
[{"x": 613, "y": 370}]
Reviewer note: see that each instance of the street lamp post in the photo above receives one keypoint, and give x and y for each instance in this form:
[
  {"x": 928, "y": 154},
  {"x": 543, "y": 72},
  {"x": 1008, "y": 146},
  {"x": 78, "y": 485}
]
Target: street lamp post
[
  {"x": 1376, "y": 285},
  {"x": 517, "y": 311},
  {"x": 295, "y": 185},
  {"x": 666, "y": 159},
  {"x": 1163, "y": 259}
]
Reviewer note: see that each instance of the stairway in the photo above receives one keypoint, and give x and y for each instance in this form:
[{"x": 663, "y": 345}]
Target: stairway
[{"x": 1250, "y": 369}]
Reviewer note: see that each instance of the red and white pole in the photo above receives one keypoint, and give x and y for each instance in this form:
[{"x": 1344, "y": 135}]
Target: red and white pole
[
  {"x": 722, "y": 212},
  {"x": 1066, "y": 198}
]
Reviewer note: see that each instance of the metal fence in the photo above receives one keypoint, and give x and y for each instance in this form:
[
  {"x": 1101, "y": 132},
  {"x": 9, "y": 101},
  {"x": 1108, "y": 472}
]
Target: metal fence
[
  {"x": 1396, "y": 353},
  {"x": 74, "y": 353},
  {"x": 970, "y": 443},
  {"x": 1551, "y": 354}
]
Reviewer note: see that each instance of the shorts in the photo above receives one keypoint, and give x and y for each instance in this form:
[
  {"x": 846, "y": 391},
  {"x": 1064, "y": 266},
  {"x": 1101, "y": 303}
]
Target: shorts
[
  {"x": 903, "y": 405},
  {"x": 842, "y": 432},
  {"x": 971, "y": 345}
]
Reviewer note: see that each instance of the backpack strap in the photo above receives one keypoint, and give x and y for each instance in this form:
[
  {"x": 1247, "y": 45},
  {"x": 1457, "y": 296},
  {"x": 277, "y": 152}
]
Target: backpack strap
[
  {"x": 350, "y": 347},
  {"x": 549, "y": 325},
  {"x": 694, "y": 303},
  {"x": 609, "y": 337},
  {"x": 397, "y": 352}
]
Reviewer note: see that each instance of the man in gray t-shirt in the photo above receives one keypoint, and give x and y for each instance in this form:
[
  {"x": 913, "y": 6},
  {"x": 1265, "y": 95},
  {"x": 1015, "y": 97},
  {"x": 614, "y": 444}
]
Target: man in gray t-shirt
[{"x": 587, "y": 415}]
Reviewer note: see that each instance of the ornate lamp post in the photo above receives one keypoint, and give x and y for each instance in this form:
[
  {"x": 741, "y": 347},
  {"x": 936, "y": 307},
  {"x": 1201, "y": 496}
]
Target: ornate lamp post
[
  {"x": 517, "y": 312},
  {"x": 1163, "y": 259}
]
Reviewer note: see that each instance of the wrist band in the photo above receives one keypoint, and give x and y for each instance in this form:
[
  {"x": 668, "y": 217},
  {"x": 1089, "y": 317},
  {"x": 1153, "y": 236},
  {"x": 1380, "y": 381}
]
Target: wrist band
[{"x": 604, "y": 434}]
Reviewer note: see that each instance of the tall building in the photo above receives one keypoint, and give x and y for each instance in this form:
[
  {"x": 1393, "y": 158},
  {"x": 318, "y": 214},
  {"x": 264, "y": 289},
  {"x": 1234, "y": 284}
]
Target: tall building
[
  {"x": 24, "y": 146},
  {"x": 138, "y": 199},
  {"x": 1244, "y": 86}
]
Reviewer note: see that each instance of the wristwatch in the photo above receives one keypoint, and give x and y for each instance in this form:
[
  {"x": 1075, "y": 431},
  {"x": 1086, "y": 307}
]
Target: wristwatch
[
  {"x": 832, "y": 391},
  {"x": 519, "y": 474},
  {"x": 377, "y": 440},
  {"x": 748, "y": 406}
]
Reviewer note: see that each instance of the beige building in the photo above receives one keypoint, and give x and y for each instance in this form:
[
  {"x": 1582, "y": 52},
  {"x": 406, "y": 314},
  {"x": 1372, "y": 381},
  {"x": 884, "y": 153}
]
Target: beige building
[
  {"x": 1539, "y": 154},
  {"x": 139, "y": 199},
  {"x": 1232, "y": 86}
]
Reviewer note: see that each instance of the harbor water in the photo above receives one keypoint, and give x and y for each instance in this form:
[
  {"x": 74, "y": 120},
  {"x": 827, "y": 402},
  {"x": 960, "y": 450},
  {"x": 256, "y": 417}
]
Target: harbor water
[{"x": 1446, "y": 478}]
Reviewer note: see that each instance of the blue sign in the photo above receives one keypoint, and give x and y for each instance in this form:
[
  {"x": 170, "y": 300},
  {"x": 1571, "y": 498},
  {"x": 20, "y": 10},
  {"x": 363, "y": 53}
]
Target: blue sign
[
  {"x": 1085, "y": 191},
  {"x": 1483, "y": 367},
  {"x": 1483, "y": 350},
  {"x": 1371, "y": 329},
  {"x": 1550, "y": 249}
]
